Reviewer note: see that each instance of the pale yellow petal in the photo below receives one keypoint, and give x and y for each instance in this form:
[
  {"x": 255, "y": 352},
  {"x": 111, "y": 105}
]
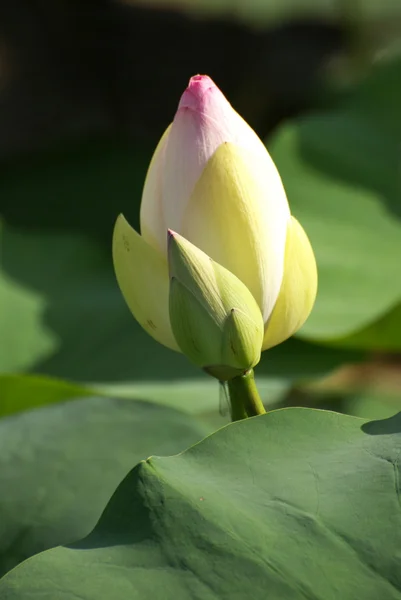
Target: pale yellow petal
[
  {"x": 238, "y": 214},
  {"x": 153, "y": 227},
  {"x": 142, "y": 275},
  {"x": 298, "y": 289}
]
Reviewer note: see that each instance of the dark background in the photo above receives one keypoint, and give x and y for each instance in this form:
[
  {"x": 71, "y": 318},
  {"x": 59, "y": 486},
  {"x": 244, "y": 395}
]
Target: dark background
[{"x": 103, "y": 78}]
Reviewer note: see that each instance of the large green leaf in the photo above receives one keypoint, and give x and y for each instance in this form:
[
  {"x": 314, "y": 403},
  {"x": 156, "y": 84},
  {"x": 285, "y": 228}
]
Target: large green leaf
[
  {"x": 23, "y": 392},
  {"x": 60, "y": 464},
  {"x": 378, "y": 96},
  {"x": 295, "y": 504},
  {"x": 341, "y": 172},
  {"x": 383, "y": 334},
  {"x": 23, "y": 333}
]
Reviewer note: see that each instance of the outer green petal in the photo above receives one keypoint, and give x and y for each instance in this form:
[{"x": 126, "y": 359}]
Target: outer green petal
[
  {"x": 153, "y": 227},
  {"x": 214, "y": 286},
  {"x": 142, "y": 275},
  {"x": 298, "y": 289},
  {"x": 197, "y": 334},
  {"x": 215, "y": 319},
  {"x": 242, "y": 340},
  {"x": 238, "y": 214}
]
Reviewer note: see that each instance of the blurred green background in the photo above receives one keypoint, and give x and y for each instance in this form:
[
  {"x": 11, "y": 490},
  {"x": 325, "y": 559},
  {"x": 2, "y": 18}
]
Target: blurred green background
[{"x": 86, "y": 90}]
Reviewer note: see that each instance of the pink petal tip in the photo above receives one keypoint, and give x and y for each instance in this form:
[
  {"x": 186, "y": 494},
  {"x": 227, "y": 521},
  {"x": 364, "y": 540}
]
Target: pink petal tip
[{"x": 198, "y": 86}]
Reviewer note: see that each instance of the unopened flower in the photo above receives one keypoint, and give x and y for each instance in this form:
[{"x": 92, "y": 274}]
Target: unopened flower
[{"x": 212, "y": 180}]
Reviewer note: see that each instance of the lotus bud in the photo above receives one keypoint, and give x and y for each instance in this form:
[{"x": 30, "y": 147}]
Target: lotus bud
[
  {"x": 212, "y": 180},
  {"x": 215, "y": 319}
]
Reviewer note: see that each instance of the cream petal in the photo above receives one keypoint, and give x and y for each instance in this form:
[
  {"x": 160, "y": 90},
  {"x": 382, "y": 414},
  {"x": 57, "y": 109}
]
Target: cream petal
[
  {"x": 153, "y": 228},
  {"x": 142, "y": 274},
  {"x": 204, "y": 121},
  {"x": 238, "y": 214},
  {"x": 298, "y": 289}
]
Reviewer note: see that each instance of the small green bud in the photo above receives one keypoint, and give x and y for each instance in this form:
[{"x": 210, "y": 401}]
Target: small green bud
[{"x": 215, "y": 319}]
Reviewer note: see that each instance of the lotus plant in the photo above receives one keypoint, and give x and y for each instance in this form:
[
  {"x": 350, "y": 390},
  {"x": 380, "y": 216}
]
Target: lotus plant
[{"x": 221, "y": 270}]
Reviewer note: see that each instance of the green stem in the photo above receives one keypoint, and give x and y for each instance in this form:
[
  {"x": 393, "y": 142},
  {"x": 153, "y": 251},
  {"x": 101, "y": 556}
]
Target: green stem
[{"x": 244, "y": 397}]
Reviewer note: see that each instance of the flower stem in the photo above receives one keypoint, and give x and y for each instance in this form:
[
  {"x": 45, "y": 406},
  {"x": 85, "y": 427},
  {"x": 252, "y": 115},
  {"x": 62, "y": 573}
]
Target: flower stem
[{"x": 244, "y": 397}]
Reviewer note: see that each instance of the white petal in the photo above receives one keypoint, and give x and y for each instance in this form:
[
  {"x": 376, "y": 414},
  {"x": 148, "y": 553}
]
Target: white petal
[{"x": 153, "y": 227}]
